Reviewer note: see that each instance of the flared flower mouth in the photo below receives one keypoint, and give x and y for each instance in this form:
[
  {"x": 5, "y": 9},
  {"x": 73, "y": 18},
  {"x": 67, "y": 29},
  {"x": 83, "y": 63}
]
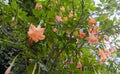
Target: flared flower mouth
[{"x": 36, "y": 34}]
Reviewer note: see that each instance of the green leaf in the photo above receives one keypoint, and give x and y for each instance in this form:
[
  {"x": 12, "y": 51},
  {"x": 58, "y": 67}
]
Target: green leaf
[{"x": 14, "y": 4}]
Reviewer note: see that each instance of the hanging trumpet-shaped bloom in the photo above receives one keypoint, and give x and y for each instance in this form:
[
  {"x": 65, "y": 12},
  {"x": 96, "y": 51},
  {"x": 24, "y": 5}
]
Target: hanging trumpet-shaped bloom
[
  {"x": 81, "y": 35},
  {"x": 55, "y": 30},
  {"x": 104, "y": 58},
  {"x": 106, "y": 38},
  {"x": 36, "y": 34},
  {"x": 92, "y": 38},
  {"x": 65, "y": 19},
  {"x": 62, "y": 9},
  {"x": 91, "y": 21},
  {"x": 95, "y": 29},
  {"x": 70, "y": 14},
  {"x": 107, "y": 52},
  {"x": 58, "y": 19},
  {"x": 79, "y": 66},
  {"x": 112, "y": 48},
  {"x": 8, "y": 70},
  {"x": 38, "y": 6},
  {"x": 93, "y": 35},
  {"x": 102, "y": 55}
]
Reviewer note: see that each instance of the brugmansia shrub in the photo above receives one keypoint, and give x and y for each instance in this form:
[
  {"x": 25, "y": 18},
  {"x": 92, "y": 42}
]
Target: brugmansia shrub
[{"x": 58, "y": 36}]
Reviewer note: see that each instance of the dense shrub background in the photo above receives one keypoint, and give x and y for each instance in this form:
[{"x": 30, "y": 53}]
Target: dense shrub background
[{"x": 16, "y": 17}]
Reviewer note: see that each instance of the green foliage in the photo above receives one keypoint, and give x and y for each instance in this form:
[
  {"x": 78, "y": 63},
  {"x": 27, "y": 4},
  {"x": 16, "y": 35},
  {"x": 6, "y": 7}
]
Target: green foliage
[{"x": 54, "y": 54}]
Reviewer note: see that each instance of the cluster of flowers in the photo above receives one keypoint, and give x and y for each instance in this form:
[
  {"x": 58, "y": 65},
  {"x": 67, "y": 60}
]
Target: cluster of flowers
[
  {"x": 69, "y": 62},
  {"x": 93, "y": 32},
  {"x": 37, "y": 33},
  {"x": 92, "y": 38},
  {"x": 106, "y": 53},
  {"x": 63, "y": 19}
]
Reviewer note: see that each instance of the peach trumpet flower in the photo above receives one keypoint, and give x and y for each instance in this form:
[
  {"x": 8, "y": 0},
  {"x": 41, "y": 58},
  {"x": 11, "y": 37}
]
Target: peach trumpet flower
[
  {"x": 112, "y": 48},
  {"x": 106, "y": 38},
  {"x": 79, "y": 66},
  {"x": 107, "y": 52},
  {"x": 10, "y": 67},
  {"x": 36, "y": 34},
  {"x": 38, "y": 6},
  {"x": 102, "y": 55},
  {"x": 8, "y": 70},
  {"x": 92, "y": 39},
  {"x": 100, "y": 52},
  {"x": 91, "y": 21},
  {"x": 65, "y": 19},
  {"x": 81, "y": 35},
  {"x": 58, "y": 19},
  {"x": 100, "y": 62},
  {"x": 62, "y": 9},
  {"x": 55, "y": 30},
  {"x": 70, "y": 14},
  {"x": 95, "y": 29}
]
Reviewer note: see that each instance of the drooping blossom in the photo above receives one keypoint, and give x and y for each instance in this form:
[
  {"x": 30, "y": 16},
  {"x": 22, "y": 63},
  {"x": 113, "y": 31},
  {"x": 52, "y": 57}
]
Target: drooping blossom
[
  {"x": 58, "y": 19},
  {"x": 93, "y": 35},
  {"x": 107, "y": 52},
  {"x": 74, "y": 19},
  {"x": 70, "y": 14},
  {"x": 62, "y": 9},
  {"x": 56, "y": 2},
  {"x": 36, "y": 34},
  {"x": 73, "y": 36},
  {"x": 30, "y": 40},
  {"x": 112, "y": 48},
  {"x": 100, "y": 52},
  {"x": 8, "y": 70},
  {"x": 106, "y": 38},
  {"x": 91, "y": 21},
  {"x": 67, "y": 31},
  {"x": 92, "y": 38},
  {"x": 82, "y": 34},
  {"x": 38, "y": 6},
  {"x": 95, "y": 29},
  {"x": 100, "y": 62},
  {"x": 54, "y": 29},
  {"x": 65, "y": 19},
  {"x": 102, "y": 55},
  {"x": 79, "y": 65}
]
